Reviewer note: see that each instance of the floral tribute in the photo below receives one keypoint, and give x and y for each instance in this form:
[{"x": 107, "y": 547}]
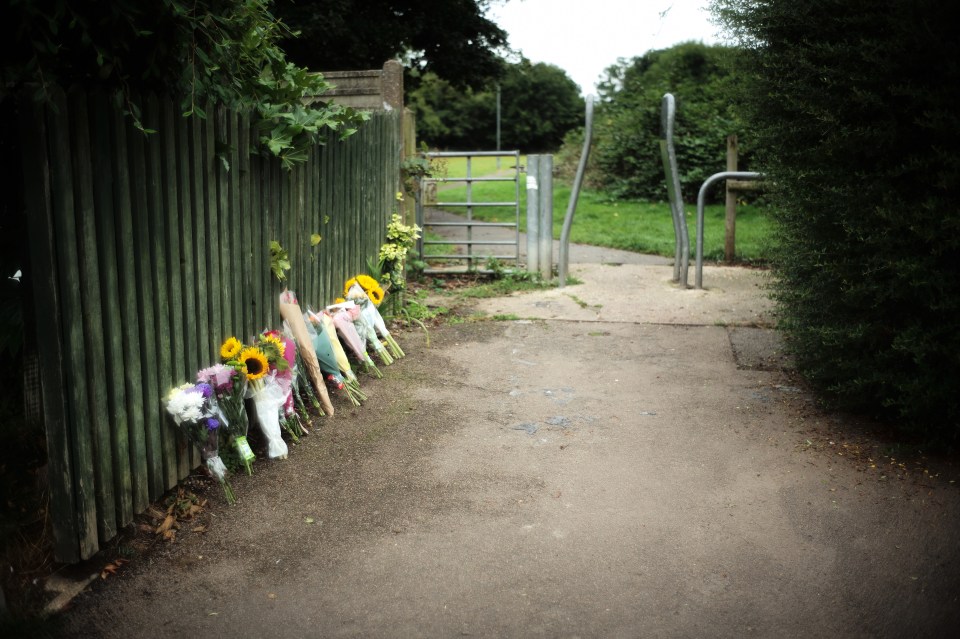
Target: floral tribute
[
  {"x": 194, "y": 410},
  {"x": 279, "y": 376},
  {"x": 229, "y": 385}
]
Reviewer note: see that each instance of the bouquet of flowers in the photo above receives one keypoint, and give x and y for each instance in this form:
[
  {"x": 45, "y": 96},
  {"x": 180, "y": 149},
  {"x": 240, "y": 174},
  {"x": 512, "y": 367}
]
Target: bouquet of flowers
[
  {"x": 229, "y": 387},
  {"x": 343, "y": 361},
  {"x": 343, "y": 320},
  {"x": 300, "y": 385},
  {"x": 305, "y": 387},
  {"x": 268, "y": 398},
  {"x": 291, "y": 313},
  {"x": 365, "y": 328},
  {"x": 281, "y": 358},
  {"x": 367, "y": 300},
  {"x": 194, "y": 410},
  {"x": 328, "y": 360}
]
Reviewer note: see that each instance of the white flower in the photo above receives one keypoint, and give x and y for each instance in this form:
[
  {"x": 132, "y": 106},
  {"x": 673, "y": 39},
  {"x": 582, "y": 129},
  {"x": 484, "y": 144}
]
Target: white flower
[{"x": 185, "y": 406}]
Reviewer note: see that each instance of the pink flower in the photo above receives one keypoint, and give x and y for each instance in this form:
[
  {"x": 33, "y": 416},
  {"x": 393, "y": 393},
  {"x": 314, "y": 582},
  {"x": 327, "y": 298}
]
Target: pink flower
[{"x": 218, "y": 376}]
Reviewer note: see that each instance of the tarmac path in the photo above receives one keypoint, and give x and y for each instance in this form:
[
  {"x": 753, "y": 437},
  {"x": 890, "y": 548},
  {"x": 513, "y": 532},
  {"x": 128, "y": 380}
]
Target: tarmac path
[{"x": 617, "y": 458}]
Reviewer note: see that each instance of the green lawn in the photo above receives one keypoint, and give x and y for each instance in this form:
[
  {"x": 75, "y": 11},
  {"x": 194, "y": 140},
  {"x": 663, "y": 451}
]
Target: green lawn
[
  {"x": 457, "y": 167},
  {"x": 643, "y": 227}
]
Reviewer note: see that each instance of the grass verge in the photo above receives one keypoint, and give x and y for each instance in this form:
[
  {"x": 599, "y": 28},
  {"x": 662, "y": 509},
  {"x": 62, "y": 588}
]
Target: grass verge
[{"x": 642, "y": 227}]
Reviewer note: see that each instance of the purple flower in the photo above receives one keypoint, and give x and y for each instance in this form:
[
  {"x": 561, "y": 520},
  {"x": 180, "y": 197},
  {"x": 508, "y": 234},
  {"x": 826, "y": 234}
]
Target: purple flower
[
  {"x": 204, "y": 389},
  {"x": 212, "y": 423}
]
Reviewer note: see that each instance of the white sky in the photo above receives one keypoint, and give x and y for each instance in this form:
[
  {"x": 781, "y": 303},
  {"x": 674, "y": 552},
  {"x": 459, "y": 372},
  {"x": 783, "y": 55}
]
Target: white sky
[{"x": 584, "y": 37}]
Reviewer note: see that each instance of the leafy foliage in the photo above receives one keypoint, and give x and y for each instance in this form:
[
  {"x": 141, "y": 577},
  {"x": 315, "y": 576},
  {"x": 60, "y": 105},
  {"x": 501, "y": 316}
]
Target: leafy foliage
[
  {"x": 452, "y": 39},
  {"x": 224, "y": 51},
  {"x": 853, "y": 105},
  {"x": 539, "y": 104},
  {"x": 627, "y": 123}
]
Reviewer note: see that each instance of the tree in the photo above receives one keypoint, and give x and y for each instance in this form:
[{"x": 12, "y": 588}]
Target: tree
[
  {"x": 628, "y": 119},
  {"x": 226, "y": 51},
  {"x": 539, "y": 104},
  {"x": 853, "y": 105},
  {"x": 451, "y": 38}
]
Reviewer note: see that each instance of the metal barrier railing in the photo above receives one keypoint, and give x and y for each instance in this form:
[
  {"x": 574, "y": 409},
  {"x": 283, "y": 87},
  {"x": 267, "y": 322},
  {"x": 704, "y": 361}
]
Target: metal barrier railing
[
  {"x": 668, "y": 155},
  {"x": 468, "y": 205},
  {"x": 701, "y": 201}
]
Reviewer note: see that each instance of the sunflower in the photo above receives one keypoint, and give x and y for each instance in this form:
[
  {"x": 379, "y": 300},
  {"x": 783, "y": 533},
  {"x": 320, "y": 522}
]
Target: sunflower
[
  {"x": 230, "y": 348},
  {"x": 339, "y": 300},
  {"x": 350, "y": 282},
  {"x": 255, "y": 364},
  {"x": 277, "y": 342},
  {"x": 367, "y": 283},
  {"x": 375, "y": 295}
]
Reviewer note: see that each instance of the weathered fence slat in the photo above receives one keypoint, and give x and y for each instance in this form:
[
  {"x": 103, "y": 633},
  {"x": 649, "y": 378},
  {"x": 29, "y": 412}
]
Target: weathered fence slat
[
  {"x": 107, "y": 443},
  {"x": 64, "y": 503},
  {"x": 182, "y": 293},
  {"x": 215, "y": 307},
  {"x": 169, "y": 338},
  {"x": 128, "y": 440},
  {"x": 146, "y": 189}
]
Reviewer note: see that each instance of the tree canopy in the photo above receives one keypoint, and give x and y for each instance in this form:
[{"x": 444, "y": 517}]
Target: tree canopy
[
  {"x": 452, "y": 39},
  {"x": 226, "y": 51},
  {"x": 539, "y": 103},
  {"x": 627, "y": 149},
  {"x": 853, "y": 108}
]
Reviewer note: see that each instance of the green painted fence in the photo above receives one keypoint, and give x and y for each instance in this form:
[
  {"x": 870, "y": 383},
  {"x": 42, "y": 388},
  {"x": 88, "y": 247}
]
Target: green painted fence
[{"x": 146, "y": 252}]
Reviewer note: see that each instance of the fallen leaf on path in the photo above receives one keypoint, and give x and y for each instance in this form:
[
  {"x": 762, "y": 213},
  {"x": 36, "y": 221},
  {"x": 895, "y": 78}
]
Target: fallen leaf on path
[
  {"x": 111, "y": 568},
  {"x": 168, "y": 524}
]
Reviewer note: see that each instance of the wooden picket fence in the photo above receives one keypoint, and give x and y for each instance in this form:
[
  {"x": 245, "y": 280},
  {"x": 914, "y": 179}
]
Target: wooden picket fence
[{"x": 146, "y": 251}]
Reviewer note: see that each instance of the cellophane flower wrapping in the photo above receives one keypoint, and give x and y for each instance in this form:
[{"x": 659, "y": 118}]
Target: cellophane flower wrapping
[
  {"x": 268, "y": 398},
  {"x": 229, "y": 387},
  {"x": 290, "y": 311},
  {"x": 195, "y": 412},
  {"x": 367, "y": 332},
  {"x": 305, "y": 386},
  {"x": 327, "y": 357},
  {"x": 343, "y": 320},
  {"x": 297, "y": 374},
  {"x": 372, "y": 317},
  {"x": 342, "y": 360},
  {"x": 286, "y": 376}
]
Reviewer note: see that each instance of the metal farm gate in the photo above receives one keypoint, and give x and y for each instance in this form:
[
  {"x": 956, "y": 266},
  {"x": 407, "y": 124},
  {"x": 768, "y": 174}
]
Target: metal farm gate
[{"x": 471, "y": 240}]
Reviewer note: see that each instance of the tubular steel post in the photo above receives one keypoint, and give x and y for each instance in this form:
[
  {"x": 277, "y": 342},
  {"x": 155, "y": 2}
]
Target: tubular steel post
[
  {"x": 546, "y": 216},
  {"x": 469, "y": 216},
  {"x": 668, "y": 154},
  {"x": 575, "y": 194},
  {"x": 498, "y": 124},
  {"x": 701, "y": 199},
  {"x": 533, "y": 214}
]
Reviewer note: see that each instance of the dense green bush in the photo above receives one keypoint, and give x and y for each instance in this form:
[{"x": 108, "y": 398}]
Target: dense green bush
[
  {"x": 854, "y": 108},
  {"x": 627, "y": 126}
]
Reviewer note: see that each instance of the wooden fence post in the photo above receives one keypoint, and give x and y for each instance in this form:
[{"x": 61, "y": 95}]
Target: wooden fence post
[{"x": 730, "y": 227}]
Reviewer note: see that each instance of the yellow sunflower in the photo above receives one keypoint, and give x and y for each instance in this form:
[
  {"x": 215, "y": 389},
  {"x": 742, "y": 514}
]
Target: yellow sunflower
[
  {"x": 339, "y": 300},
  {"x": 230, "y": 348},
  {"x": 376, "y": 295},
  {"x": 255, "y": 364},
  {"x": 277, "y": 342},
  {"x": 367, "y": 283},
  {"x": 350, "y": 282}
]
